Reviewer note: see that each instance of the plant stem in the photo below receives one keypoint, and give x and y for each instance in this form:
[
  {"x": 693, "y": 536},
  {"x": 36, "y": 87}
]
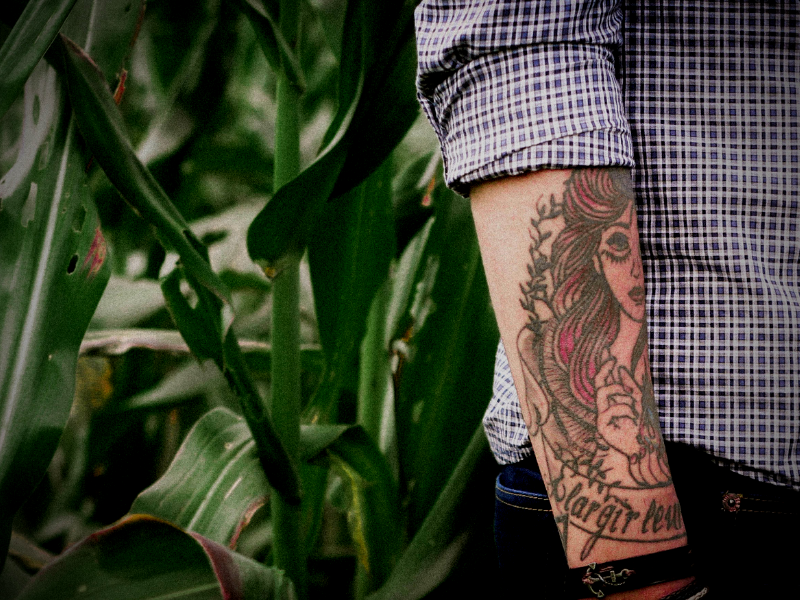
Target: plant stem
[{"x": 287, "y": 545}]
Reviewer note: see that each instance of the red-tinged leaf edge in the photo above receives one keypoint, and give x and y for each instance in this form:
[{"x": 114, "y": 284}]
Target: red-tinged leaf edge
[
  {"x": 254, "y": 507},
  {"x": 102, "y": 127},
  {"x": 98, "y": 564},
  {"x": 228, "y": 575}
]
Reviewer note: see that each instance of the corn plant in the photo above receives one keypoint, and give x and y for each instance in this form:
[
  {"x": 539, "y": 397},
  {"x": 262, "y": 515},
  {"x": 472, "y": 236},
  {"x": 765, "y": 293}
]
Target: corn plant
[{"x": 233, "y": 213}]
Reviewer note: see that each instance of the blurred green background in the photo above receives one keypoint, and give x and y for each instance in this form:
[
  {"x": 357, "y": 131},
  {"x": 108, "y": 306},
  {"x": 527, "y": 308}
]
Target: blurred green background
[{"x": 287, "y": 139}]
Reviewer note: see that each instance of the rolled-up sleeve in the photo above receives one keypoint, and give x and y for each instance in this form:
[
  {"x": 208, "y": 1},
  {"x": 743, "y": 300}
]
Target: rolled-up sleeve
[{"x": 512, "y": 87}]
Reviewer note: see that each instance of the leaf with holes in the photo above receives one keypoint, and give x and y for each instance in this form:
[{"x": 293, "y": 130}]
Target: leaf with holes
[
  {"x": 102, "y": 128},
  {"x": 52, "y": 260}
]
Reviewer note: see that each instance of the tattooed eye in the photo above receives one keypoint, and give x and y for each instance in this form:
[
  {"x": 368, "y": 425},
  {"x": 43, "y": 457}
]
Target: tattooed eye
[
  {"x": 617, "y": 247},
  {"x": 618, "y": 242}
]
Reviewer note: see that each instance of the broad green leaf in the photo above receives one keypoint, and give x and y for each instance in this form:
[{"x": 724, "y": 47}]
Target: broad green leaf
[
  {"x": 32, "y": 34},
  {"x": 201, "y": 327},
  {"x": 447, "y": 355},
  {"x": 51, "y": 279},
  {"x": 389, "y": 108},
  {"x": 53, "y": 270},
  {"x": 436, "y": 547},
  {"x": 373, "y": 511},
  {"x": 215, "y": 479},
  {"x": 142, "y": 557},
  {"x": 349, "y": 256},
  {"x": 375, "y": 35},
  {"x": 262, "y": 15},
  {"x": 101, "y": 126}
]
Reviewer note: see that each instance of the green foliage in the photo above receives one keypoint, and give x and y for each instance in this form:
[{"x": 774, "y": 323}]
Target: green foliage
[
  {"x": 53, "y": 262},
  {"x": 362, "y": 134},
  {"x": 349, "y": 257},
  {"x": 103, "y": 130},
  {"x": 26, "y": 45},
  {"x": 142, "y": 557},
  {"x": 225, "y": 434}
]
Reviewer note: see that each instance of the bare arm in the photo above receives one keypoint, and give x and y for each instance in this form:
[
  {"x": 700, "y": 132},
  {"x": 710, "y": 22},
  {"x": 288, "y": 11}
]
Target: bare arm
[{"x": 561, "y": 253}]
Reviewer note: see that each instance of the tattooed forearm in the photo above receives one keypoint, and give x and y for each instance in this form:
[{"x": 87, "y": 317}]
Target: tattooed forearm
[
  {"x": 561, "y": 255},
  {"x": 583, "y": 353}
]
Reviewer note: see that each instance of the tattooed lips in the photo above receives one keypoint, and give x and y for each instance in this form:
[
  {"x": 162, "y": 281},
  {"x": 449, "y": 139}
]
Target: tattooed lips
[{"x": 637, "y": 295}]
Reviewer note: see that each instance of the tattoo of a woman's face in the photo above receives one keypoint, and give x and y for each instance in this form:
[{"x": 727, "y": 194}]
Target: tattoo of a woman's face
[{"x": 584, "y": 353}]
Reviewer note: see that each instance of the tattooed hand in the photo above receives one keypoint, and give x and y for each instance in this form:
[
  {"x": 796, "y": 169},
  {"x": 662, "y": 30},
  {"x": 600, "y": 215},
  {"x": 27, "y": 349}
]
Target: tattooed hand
[
  {"x": 620, "y": 424},
  {"x": 618, "y": 408}
]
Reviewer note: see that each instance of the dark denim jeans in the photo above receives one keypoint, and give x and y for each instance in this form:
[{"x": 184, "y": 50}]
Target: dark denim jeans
[{"x": 753, "y": 552}]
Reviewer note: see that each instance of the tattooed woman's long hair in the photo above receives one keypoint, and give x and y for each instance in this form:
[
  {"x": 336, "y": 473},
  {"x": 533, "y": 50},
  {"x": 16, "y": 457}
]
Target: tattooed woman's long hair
[{"x": 594, "y": 199}]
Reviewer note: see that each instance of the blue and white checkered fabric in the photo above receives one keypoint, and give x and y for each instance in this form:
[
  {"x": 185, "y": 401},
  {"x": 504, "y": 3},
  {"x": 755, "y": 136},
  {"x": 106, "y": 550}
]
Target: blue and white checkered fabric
[
  {"x": 511, "y": 86},
  {"x": 701, "y": 99}
]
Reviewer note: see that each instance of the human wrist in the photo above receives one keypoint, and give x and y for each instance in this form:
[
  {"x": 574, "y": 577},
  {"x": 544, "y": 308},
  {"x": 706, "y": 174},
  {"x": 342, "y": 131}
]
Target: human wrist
[
  {"x": 647, "y": 577},
  {"x": 667, "y": 590}
]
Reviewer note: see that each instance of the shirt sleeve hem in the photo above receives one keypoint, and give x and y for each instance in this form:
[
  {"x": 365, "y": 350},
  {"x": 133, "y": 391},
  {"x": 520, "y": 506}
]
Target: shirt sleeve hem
[
  {"x": 598, "y": 148},
  {"x": 532, "y": 103}
]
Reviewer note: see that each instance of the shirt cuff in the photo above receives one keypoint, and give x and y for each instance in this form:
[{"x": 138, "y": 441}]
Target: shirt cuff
[{"x": 528, "y": 108}]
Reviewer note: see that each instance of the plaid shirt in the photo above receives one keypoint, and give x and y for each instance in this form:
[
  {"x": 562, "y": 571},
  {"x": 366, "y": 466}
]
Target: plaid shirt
[{"x": 700, "y": 98}]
